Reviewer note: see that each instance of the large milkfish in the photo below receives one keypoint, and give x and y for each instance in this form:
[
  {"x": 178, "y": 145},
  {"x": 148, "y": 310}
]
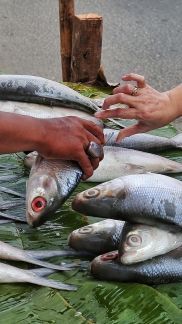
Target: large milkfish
[{"x": 38, "y": 90}]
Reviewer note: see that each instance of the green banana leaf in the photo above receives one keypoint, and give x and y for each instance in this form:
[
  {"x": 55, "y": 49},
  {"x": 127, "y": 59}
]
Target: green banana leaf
[{"x": 95, "y": 301}]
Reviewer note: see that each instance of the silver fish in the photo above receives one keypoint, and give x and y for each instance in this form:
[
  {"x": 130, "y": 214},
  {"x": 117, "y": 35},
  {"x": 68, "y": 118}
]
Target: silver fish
[
  {"x": 142, "y": 242},
  {"x": 143, "y": 142},
  {"x": 50, "y": 183},
  {"x": 10, "y": 274},
  {"x": 44, "y": 112},
  {"x": 9, "y": 252},
  {"x": 97, "y": 238},
  {"x": 159, "y": 270},
  {"x": 120, "y": 161},
  {"x": 141, "y": 198},
  {"x": 39, "y": 90},
  {"x": 33, "y": 89}
]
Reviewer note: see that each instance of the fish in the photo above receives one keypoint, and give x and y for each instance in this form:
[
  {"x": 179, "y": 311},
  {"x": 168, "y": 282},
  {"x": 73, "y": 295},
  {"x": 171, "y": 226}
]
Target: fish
[
  {"x": 124, "y": 162},
  {"x": 142, "y": 242},
  {"x": 38, "y": 90},
  {"x": 43, "y": 111},
  {"x": 142, "y": 198},
  {"x": 9, "y": 252},
  {"x": 159, "y": 270},
  {"x": 97, "y": 238},
  {"x": 34, "y": 89},
  {"x": 143, "y": 142},
  {"x": 120, "y": 161},
  {"x": 11, "y": 274},
  {"x": 50, "y": 183}
]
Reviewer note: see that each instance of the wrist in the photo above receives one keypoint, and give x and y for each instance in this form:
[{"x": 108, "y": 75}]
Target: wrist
[{"x": 175, "y": 101}]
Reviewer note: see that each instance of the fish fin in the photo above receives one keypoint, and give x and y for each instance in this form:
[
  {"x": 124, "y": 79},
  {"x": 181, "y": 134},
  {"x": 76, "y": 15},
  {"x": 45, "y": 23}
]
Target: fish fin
[
  {"x": 51, "y": 283},
  {"x": 178, "y": 140}
]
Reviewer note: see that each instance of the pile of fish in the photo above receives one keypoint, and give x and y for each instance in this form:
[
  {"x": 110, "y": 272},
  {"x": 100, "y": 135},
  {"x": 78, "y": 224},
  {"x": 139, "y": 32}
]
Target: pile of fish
[
  {"x": 42, "y": 98},
  {"x": 147, "y": 247},
  {"x": 149, "y": 205}
]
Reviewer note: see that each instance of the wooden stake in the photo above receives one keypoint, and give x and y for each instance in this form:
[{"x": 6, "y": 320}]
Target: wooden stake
[
  {"x": 66, "y": 13},
  {"x": 86, "y": 47}
]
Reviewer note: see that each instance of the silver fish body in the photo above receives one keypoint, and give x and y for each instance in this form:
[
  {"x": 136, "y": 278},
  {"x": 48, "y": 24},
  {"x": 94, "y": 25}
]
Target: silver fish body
[
  {"x": 10, "y": 274},
  {"x": 143, "y": 142},
  {"x": 120, "y": 161},
  {"x": 142, "y": 242},
  {"x": 50, "y": 183},
  {"x": 143, "y": 198},
  {"x": 159, "y": 270},
  {"x": 39, "y": 90},
  {"x": 97, "y": 238}
]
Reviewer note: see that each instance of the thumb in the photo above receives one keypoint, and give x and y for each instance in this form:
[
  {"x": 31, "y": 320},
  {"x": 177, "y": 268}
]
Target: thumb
[{"x": 134, "y": 129}]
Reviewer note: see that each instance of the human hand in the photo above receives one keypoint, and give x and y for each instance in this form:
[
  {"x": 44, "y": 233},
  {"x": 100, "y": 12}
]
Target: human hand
[
  {"x": 68, "y": 138},
  {"x": 151, "y": 108}
]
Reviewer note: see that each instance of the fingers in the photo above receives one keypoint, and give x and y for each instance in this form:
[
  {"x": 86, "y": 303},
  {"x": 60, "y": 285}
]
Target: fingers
[
  {"x": 126, "y": 88},
  {"x": 140, "y": 80},
  {"x": 86, "y": 165},
  {"x": 120, "y": 98},
  {"x": 134, "y": 129},
  {"x": 95, "y": 130},
  {"x": 123, "y": 113},
  {"x": 95, "y": 162}
]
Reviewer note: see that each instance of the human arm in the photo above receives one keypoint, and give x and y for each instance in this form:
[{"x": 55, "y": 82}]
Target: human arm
[
  {"x": 64, "y": 138},
  {"x": 152, "y": 109}
]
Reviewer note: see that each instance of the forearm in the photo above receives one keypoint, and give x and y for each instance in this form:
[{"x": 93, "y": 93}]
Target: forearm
[
  {"x": 19, "y": 133},
  {"x": 175, "y": 96}
]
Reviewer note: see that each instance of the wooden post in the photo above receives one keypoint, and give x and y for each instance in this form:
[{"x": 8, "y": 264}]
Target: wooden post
[
  {"x": 66, "y": 13},
  {"x": 86, "y": 47}
]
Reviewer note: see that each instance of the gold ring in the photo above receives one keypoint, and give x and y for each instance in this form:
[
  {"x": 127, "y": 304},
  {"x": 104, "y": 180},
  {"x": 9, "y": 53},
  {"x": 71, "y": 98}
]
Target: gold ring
[{"x": 134, "y": 91}]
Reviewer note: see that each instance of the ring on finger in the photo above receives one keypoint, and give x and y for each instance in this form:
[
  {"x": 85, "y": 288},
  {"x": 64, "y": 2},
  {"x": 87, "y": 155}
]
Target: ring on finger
[{"x": 134, "y": 91}]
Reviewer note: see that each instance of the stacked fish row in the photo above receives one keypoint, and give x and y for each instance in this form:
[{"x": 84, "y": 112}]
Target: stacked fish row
[{"x": 151, "y": 237}]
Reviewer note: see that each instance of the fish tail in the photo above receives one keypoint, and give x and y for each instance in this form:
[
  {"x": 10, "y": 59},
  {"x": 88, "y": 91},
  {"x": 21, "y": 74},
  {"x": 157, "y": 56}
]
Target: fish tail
[
  {"x": 178, "y": 140},
  {"x": 49, "y": 265},
  {"x": 52, "y": 253},
  {"x": 52, "y": 283},
  {"x": 42, "y": 272}
]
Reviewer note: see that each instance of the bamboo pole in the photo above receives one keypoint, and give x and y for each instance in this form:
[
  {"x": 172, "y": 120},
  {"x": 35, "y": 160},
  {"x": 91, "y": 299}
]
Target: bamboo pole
[{"x": 66, "y": 13}]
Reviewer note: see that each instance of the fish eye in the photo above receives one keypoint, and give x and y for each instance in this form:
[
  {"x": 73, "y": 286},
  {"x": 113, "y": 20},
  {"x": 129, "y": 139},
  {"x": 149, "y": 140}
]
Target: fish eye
[
  {"x": 134, "y": 240},
  {"x": 38, "y": 204},
  {"x": 85, "y": 230},
  {"x": 91, "y": 193}
]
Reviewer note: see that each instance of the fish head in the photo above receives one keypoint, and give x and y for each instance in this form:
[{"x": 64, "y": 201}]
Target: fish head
[
  {"x": 105, "y": 266},
  {"x": 99, "y": 200},
  {"x": 136, "y": 244},
  {"x": 41, "y": 198},
  {"x": 98, "y": 238}
]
